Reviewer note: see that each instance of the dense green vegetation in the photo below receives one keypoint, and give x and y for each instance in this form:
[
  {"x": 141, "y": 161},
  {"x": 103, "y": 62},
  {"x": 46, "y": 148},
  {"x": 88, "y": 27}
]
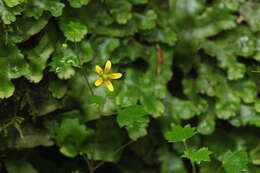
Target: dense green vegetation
[{"x": 187, "y": 100}]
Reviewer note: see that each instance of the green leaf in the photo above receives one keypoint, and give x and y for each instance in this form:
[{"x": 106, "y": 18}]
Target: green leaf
[
  {"x": 206, "y": 27},
  {"x": 71, "y": 128},
  {"x": 193, "y": 23},
  {"x": 6, "y": 14},
  {"x": 185, "y": 109},
  {"x": 58, "y": 88},
  {"x": 130, "y": 49},
  {"x": 229, "y": 102},
  {"x": 35, "y": 8},
  {"x": 12, "y": 3},
  {"x": 246, "y": 115},
  {"x": 207, "y": 80},
  {"x": 207, "y": 123},
  {"x": 103, "y": 47},
  {"x": 70, "y": 136},
  {"x": 228, "y": 61},
  {"x": 229, "y": 94},
  {"x": 73, "y": 55},
  {"x": 247, "y": 90},
  {"x": 88, "y": 15},
  {"x": 198, "y": 156},
  {"x": 21, "y": 166},
  {"x": 229, "y": 4},
  {"x": 22, "y": 29},
  {"x": 120, "y": 10},
  {"x": 39, "y": 56},
  {"x": 84, "y": 51},
  {"x": 250, "y": 11},
  {"x": 117, "y": 30},
  {"x": 152, "y": 105},
  {"x": 245, "y": 45},
  {"x": 179, "y": 133},
  {"x": 78, "y": 3},
  {"x": 226, "y": 109},
  {"x": 135, "y": 119},
  {"x": 13, "y": 66},
  {"x": 257, "y": 105},
  {"x": 63, "y": 66},
  {"x": 166, "y": 35},
  {"x": 235, "y": 162},
  {"x": 146, "y": 21},
  {"x": 143, "y": 86},
  {"x": 73, "y": 30}
]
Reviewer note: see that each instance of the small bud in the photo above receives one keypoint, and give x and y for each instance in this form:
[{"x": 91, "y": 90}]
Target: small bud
[{"x": 64, "y": 45}]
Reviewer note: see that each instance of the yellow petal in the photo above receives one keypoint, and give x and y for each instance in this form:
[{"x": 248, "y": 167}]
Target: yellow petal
[
  {"x": 99, "y": 70},
  {"x": 115, "y": 75},
  {"x": 99, "y": 82},
  {"x": 109, "y": 85},
  {"x": 108, "y": 66}
]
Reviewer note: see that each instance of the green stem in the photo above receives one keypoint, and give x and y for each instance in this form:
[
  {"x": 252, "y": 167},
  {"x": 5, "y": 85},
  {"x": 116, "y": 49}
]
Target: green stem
[
  {"x": 83, "y": 71},
  {"x": 90, "y": 168},
  {"x": 185, "y": 145},
  {"x": 188, "y": 150},
  {"x": 89, "y": 86}
]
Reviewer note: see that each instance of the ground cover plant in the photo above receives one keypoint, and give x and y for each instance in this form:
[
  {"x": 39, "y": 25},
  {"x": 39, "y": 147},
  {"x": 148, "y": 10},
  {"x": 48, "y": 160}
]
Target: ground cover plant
[{"x": 129, "y": 86}]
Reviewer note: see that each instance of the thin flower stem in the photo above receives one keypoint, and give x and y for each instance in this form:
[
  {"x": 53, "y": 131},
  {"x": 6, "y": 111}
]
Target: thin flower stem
[
  {"x": 188, "y": 150},
  {"x": 91, "y": 161},
  {"x": 83, "y": 71},
  {"x": 185, "y": 145},
  {"x": 85, "y": 76}
]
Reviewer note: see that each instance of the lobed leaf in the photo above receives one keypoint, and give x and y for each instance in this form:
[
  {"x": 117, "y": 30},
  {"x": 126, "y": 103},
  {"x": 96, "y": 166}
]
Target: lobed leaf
[
  {"x": 198, "y": 156},
  {"x": 179, "y": 133},
  {"x": 13, "y": 66},
  {"x": 135, "y": 119},
  {"x": 70, "y": 135},
  {"x": 78, "y": 3}
]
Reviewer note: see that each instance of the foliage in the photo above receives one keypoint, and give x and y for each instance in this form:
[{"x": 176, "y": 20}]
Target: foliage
[
  {"x": 235, "y": 161},
  {"x": 178, "y": 133},
  {"x": 189, "y": 86}
]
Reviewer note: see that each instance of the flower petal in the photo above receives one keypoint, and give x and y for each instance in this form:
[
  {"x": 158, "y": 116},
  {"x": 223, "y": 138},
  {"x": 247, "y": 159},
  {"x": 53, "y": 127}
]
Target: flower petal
[
  {"x": 109, "y": 85},
  {"x": 99, "y": 70},
  {"x": 115, "y": 75},
  {"x": 99, "y": 82},
  {"x": 108, "y": 66}
]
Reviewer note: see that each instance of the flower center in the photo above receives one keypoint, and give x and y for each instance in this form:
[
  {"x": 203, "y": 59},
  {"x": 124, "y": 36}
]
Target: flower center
[{"x": 104, "y": 76}]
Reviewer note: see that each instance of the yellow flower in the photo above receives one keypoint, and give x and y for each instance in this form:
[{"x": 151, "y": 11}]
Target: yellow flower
[{"x": 105, "y": 77}]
